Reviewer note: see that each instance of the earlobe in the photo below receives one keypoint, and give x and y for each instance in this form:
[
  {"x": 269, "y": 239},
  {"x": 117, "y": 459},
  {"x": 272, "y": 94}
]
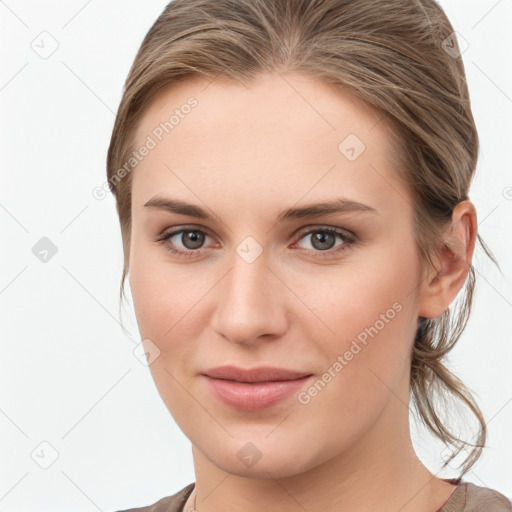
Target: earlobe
[{"x": 440, "y": 288}]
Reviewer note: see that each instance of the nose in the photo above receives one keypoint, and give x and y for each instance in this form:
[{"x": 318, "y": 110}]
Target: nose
[{"x": 251, "y": 303}]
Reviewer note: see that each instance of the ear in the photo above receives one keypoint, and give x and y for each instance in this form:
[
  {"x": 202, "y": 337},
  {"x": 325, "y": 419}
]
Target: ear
[{"x": 441, "y": 286}]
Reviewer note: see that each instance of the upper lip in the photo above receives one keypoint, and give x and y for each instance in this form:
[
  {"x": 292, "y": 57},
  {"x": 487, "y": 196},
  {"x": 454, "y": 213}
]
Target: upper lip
[{"x": 260, "y": 374}]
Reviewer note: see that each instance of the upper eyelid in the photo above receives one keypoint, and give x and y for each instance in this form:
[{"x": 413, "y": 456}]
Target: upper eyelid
[
  {"x": 177, "y": 229},
  {"x": 320, "y": 227}
]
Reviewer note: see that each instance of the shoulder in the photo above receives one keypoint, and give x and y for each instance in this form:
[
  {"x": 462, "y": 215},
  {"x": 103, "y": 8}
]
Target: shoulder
[
  {"x": 173, "y": 503},
  {"x": 469, "y": 497},
  {"x": 482, "y": 498}
]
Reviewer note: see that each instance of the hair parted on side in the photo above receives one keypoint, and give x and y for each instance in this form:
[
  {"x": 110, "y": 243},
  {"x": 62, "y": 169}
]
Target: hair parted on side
[{"x": 390, "y": 56}]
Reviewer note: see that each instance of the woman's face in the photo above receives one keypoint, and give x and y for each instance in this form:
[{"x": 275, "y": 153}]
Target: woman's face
[{"x": 263, "y": 282}]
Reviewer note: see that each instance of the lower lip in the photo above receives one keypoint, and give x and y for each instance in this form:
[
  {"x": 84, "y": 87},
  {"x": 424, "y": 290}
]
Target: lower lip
[{"x": 254, "y": 397}]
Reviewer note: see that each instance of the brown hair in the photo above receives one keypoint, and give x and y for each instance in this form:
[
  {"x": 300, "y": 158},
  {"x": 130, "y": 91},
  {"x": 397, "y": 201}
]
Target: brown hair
[{"x": 390, "y": 55}]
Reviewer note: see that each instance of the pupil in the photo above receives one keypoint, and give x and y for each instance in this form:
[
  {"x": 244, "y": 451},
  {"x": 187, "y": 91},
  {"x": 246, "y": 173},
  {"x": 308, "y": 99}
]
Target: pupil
[{"x": 319, "y": 238}]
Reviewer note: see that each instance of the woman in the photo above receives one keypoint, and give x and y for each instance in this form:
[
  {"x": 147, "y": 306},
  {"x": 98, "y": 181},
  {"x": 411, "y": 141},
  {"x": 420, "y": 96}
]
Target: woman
[{"x": 292, "y": 180}]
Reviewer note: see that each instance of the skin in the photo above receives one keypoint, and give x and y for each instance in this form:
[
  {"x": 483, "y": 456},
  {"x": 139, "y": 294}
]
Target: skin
[{"x": 245, "y": 155}]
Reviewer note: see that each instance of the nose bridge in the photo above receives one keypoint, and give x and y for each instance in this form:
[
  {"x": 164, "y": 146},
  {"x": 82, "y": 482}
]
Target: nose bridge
[{"x": 248, "y": 305}]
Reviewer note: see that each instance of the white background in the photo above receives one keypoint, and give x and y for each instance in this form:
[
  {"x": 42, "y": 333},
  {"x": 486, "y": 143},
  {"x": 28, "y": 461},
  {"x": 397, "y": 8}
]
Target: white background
[{"x": 68, "y": 376}]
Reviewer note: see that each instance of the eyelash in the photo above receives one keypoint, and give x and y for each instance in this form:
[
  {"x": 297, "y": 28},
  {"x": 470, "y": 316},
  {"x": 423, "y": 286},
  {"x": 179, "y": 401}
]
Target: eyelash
[{"x": 345, "y": 237}]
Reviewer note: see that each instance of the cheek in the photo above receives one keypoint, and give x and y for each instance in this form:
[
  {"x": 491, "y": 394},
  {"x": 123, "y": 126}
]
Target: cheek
[
  {"x": 164, "y": 310},
  {"x": 161, "y": 292},
  {"x": 353, "y": 295},
  {"x": 371, "y": 313},
  {"x": 170, "y": 303}
]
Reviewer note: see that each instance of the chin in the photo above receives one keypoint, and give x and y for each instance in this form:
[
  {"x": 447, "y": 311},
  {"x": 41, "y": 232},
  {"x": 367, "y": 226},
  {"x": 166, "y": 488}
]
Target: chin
[{"x": 261, "y": 459}]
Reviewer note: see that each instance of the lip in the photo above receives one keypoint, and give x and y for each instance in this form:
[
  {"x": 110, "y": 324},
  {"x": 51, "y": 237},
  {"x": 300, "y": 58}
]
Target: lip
[{"x": 256, "y": 388}]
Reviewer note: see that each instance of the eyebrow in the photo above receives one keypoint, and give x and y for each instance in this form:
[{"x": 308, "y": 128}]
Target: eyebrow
[{"x": 340, "y": 205}]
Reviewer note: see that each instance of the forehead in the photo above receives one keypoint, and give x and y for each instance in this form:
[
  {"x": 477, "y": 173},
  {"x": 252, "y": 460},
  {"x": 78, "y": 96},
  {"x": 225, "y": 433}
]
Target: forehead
[
  {"x": 301, "y": 103},
  {"x": 280, "y": 136}
]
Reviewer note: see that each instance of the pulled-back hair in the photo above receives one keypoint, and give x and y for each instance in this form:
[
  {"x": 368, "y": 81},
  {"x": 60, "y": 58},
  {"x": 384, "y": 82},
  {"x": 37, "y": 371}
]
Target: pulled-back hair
[{"x": 401, "y": 58}]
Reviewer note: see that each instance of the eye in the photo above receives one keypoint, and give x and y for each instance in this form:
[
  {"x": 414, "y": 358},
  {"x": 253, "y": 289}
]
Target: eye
[
  {"x": 192, "y": 240},
  {"x": 323, "y": 240}
]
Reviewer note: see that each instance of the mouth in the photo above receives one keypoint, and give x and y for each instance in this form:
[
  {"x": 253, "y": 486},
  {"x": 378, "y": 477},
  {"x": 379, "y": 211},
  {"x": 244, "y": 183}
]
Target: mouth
[{"x": 254, "y": 389}]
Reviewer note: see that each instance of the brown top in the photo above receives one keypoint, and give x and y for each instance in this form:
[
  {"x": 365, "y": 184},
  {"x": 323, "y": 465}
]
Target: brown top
[{"x": 467, "y": 497}]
